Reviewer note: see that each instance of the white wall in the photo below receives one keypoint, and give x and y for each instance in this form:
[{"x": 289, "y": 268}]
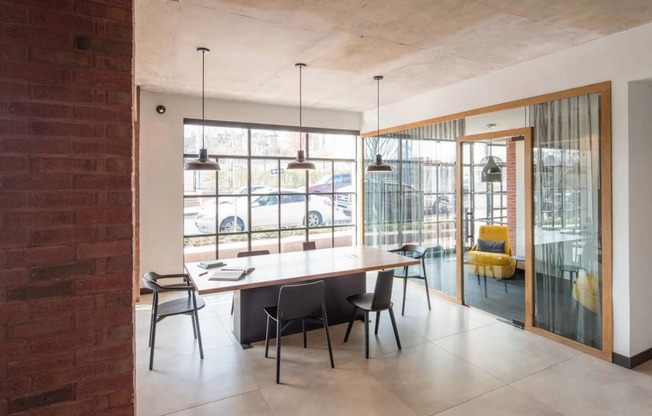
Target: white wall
[
  {"x": 619, "y": 58},
  {"x": 640, "y": 172},
  {"x": 161, "y": 162}
]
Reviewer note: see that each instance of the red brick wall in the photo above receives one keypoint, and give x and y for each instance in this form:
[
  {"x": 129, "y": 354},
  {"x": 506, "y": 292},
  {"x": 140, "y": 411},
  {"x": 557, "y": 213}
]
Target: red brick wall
[{"x": 66, "y": 316}]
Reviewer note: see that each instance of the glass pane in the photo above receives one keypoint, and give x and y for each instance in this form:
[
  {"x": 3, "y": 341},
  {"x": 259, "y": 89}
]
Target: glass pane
[
  {"x": 265, "y": 241},
  {"x": 197, "y": 182},
  {"x": 226, "y": 141},
  {"x": 232, "y": 215},
  {"x": 274, "y": 143},
  {"x": 194, "y": 212},
  {"x": 321, "y": 179},
  {"x": 345, "y": 208},
  {"x": 491, "y": 281},
  {"x": 199, "y": 248},
  {"x": 264, "y": 175},
  {"x": 332, "y": 146},
  {"x": 233, "y": 176},
  {"x": 322, "y": 237},
  {"x": 568, "y": 270},
  {"x": 265, "y": 212},
  {"x": 292, "y": 179},
  {"x": 344, "y": 237},
  {"x": 231, "y": 244},
  {"x": 292, "y": 240}
]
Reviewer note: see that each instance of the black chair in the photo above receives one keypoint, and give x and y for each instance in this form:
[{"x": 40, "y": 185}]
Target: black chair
[
  {"x": 309, "y": 245},
  {"x": 302, "y": 302},
  {"x": 253, "y": 253},
  {"x": 377, "y": 302},
  {"x": 187, "y": 305},
  {"x": 416, "y": 252}
]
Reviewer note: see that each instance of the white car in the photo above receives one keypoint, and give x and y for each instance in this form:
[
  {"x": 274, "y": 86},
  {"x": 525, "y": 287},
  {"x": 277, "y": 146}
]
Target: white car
[{"x": 233, "y": 216}]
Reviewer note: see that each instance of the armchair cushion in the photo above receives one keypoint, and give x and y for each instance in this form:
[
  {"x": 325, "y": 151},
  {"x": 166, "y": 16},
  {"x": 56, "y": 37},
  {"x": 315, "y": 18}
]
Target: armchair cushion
[
  {"x": 586, "y": 291},
  {"x": 491, "y": 246},
  {"x": 495, "y": 253}
]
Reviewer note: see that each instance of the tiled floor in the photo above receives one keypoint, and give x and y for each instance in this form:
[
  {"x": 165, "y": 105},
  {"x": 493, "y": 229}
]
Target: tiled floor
[{"x": 455, "y": 361}]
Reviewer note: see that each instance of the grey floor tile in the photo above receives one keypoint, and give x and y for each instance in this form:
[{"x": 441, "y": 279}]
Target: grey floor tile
[
  {"x": 505, "y": 401},
  {"x": 585, "y": 385},
  {"x": 428, "y": 378},
  {"x": 506, "y": 352}
]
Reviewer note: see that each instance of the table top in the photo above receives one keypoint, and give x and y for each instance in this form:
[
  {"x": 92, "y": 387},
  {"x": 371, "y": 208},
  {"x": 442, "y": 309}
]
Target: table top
[
  {"x": 542, "y": 236},
  {"x": 298, "y": 266}
]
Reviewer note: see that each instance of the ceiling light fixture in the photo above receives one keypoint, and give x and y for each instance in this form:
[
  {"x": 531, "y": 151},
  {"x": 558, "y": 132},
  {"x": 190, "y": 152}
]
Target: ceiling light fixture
[
  {"x": 491, "y": 171},
  {"x": 378, "y": 165},
  {"x": 300, "y": 163},
  {"x": 203, "y": 162}
]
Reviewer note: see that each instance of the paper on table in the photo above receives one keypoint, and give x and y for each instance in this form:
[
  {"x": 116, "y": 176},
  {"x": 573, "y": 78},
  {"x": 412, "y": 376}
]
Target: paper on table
[{"x": 231, "y": 274}]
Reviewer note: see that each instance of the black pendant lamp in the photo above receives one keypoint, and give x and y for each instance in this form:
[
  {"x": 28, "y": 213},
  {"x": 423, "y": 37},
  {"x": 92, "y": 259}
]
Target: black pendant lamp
[
  {"x": 203, "y": 162},
  {"x": 378, "y": 166},
  {"x": 491, "y": 171},
  {"x": 300, "y": 163}
]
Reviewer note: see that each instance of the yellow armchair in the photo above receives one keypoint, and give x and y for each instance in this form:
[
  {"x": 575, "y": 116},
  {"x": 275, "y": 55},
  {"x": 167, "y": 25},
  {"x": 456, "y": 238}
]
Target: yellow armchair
[{"x": 495, "y": 264}]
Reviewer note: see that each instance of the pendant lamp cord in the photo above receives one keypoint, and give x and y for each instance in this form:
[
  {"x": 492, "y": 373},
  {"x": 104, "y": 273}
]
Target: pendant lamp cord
[
  {"x": 378, "y": 108},
  {"x": 203, "y": 59},
  {"x": 300, "y": 112}
]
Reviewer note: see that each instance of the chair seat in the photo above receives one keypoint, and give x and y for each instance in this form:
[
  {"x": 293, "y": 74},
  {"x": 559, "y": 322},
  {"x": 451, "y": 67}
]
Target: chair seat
[
  {"x": 179, "y": 306},
  {"x": 363, "y": 301}
]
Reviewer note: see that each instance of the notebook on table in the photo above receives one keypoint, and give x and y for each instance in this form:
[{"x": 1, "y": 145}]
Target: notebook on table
[
  {"x": 231, "y": 274},
  {"x": 209, "y": 264}
]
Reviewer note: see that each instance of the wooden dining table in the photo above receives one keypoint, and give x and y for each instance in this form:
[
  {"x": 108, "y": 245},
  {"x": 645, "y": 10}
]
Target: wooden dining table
[{"x": 342, "y": 269}]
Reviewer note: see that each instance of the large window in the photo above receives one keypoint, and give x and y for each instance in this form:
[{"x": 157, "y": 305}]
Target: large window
[{"x": 254, "y": 203}]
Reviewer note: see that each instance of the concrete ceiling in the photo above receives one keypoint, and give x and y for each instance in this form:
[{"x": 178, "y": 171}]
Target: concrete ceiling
[{"x": 418, "y": 45}]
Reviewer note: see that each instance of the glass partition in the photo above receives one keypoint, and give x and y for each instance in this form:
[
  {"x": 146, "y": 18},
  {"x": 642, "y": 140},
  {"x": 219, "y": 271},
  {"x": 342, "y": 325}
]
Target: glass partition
[
  {"x": 415, "y": 203},
  {"x": 567, "y": 235}
]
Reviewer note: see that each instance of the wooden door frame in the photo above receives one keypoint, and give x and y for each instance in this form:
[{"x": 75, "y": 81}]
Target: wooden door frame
[{"x": 527, "y": 134}]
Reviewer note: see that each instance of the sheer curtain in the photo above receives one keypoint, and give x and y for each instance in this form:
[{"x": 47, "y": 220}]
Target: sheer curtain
[{"x": 567, "y": 267}]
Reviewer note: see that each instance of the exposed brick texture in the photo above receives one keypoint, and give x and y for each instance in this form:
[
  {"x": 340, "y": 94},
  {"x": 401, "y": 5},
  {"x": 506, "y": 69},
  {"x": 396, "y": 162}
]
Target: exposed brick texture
[{"x": 66, "y": 260}]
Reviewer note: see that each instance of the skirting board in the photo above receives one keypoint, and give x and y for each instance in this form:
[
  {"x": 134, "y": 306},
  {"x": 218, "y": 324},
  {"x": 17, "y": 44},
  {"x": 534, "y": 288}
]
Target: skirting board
[{"x": 634, "y": 361}]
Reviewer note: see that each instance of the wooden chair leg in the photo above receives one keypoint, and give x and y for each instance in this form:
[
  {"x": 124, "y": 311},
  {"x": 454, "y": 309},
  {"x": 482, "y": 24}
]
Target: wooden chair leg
[
  {"x": 305, "y": 339},
  {"x": 391, "y": 316},
  {"x": 348, "y": 329}
]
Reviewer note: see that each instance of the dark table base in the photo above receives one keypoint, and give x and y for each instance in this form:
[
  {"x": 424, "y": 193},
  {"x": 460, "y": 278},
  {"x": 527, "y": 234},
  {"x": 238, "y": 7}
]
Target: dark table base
[{"x": 249, "y": 319}]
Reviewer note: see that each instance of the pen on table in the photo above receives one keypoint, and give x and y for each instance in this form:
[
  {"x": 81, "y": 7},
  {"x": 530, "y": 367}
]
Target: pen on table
[{"x": 201, "y": 274}]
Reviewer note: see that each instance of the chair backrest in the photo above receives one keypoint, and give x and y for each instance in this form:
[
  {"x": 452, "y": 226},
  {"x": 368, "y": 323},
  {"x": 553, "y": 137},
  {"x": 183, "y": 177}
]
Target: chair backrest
[
  {"x": 149, "y": 280},
  {"x": 383, "y": 291},
  {"x": 413, "y": 250},
  {"x": 496, "y": 233},
  {"x": 253, "y": 253},
  {"x": 309, "y": 245},
  {"x": 305, "y": 299}
]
